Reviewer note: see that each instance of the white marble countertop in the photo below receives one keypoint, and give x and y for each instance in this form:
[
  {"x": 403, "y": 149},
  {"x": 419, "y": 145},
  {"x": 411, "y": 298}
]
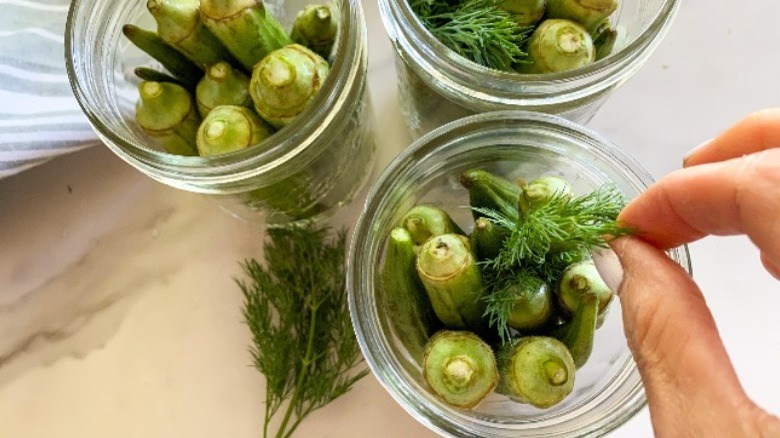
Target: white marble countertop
[{"x": 118, "y": 312}]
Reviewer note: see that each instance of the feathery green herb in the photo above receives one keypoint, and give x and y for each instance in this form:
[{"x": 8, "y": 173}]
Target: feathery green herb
[
  {"x": 475, "y": 29},
  {"x": 296, "y": 308},
  {"x": 544, "y": 241},
  {"x": 501, "y": 298}
]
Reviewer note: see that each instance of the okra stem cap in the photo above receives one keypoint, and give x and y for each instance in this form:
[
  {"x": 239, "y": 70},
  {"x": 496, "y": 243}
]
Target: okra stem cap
[
  {"x": 285, "y": 82},
  {"x": 230, "y": 128},
  {"x": 536, "y": 370},
  {"x": 560, "y": 45},
  {"x": 578, "y": 279},
  {"x": 316, "y": 27},
  {"x": 525, "y": 12},
  {"x": 460, "y": 368},
  {"x": 222, "y": 85}
]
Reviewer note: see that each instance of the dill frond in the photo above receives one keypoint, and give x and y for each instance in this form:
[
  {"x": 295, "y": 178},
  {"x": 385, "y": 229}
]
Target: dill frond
[
  {"x": 478, "y": 30},
  {"x": 296, "y": 309},
  {"x": 545, "y": 240}
]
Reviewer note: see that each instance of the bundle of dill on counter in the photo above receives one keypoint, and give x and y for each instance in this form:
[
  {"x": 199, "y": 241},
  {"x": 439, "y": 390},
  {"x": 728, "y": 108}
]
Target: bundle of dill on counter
[{"x": 296, "y": 308}]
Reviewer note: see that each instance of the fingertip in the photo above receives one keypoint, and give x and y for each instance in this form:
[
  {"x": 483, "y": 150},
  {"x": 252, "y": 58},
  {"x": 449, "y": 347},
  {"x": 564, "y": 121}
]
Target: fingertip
[
  {"x": 609, "y": 268},
  {"x": 755, "y": 132},
  {"x": 770, "y": 265},
  {"x": 691, "y": 157}
]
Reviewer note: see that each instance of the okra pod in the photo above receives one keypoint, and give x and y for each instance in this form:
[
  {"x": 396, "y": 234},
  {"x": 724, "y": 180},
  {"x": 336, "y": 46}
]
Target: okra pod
[
  {"x": 246, "y": 27},
  {"x": 578, "y": 334},
  {"x": 229, "y": 128},
  {"x": 487, "y": 239},
  {"x": 166, "y": 111},
  {"x": 179, "y": 25},
  {"x": 452, "y": 280},
  {"x": 177, "y": 64},
  {"x": 525, "y": 12},
  {"x": 490, "y": 191},
  {"x": 460, "y": 368},
  {"x": 588, "y": 13},
  {"x": 559, "y": 45},
  {"x": 426, "y": 221},
  {"x": 532, "y": 307},
  {"x": 579, "y": 279},
  {"x": 152, "y": 75},
  {"x": 541, "y": 190},
  {"x": 285, "y": 82},
  {"x": 222, "y": 85},
  {"x": 404, "y": 295},
  {"x": 316, "y": 27},
  {"x": 536, "y": 370}
]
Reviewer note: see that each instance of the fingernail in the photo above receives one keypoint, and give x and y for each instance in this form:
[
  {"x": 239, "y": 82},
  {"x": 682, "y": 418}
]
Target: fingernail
[
  {"x": 609, "y": 267},
  {"x": 694, "y": 150}
]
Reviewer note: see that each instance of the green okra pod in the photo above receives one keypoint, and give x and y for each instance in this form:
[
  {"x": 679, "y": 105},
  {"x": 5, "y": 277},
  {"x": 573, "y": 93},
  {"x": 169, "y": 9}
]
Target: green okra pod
[
  {"x": 604, "y": 38},
  {"x": 177, "y": 64},
  {"x": 404, "y": 295},
  {"x": 166, "y": 111},
  {"x": 179, "y": 25},
  {"x": 285, "y": 82},
  {"x": 460, "y": 368},
  {"x": 579, "y": 279},
  {"x": 426, "y": 221},
  {"x": 532, "y": 307},
  {"x": 222, "y": 85},
  {"x": 541, "y": 190},
  {"x": 536, "y": 370},
  {"x": 452, "y": 281},
  {"x": 525, "y": 12},
  {"x": 229, "y": 128},
  {"x": 316, "y": 27},
  {"x": 246, "y": 27},
  {"x": 588, "y": 13},
  {"x": 578, "y": 334},
  {"x": 288, "y": 199},
  {"x": 490, "y": 191},
  {"x": 559, "y": 45},
  {"x": 487, "y": 239},
  {"x": 152, "y": 75}
]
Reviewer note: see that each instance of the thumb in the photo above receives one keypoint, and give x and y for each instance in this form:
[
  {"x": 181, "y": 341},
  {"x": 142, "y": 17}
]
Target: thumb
[{"x": 691, "y": 386}]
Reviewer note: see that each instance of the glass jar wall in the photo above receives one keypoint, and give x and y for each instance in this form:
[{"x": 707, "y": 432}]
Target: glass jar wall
[
  {"x": 436, "y": 85},
  {"x": 304, "y": 171}
]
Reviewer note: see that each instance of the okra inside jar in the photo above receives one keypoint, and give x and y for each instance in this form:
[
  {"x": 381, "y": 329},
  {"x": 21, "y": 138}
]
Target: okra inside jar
[
  {"x": 563, "y": 57},
  {"x": 607, "y": 389},
  {"x": 516, "y": 302},
  {"x": 292, "y": 138}
]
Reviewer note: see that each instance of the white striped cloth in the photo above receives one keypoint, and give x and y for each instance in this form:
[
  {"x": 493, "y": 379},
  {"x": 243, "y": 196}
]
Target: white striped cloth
[{"x": 39, "y": 116}]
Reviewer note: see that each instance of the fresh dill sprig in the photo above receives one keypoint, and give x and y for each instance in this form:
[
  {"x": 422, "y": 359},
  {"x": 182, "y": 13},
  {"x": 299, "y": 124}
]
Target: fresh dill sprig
[
  {"x": 501, "y": 299},
  {"x": 296, "y": 309},
  {"x": 543, "y": 241},
  {"x": 560, "y": 225},
  {"x": 475, "y": 29}
]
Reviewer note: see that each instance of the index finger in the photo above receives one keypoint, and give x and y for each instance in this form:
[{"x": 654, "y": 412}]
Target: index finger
[
  {"x": 731, "y": 197},
  {"x": 756, "y": 132}
]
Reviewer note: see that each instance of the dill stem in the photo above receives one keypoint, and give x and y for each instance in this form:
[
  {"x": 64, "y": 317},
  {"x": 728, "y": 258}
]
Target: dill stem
[
  {"x": 295, "y": 424},
  {"x": 267, "y": 410},
  {"x": 306, "y": 361}
]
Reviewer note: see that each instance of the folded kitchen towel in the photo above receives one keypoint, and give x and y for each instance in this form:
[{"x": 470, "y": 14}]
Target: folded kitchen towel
[{"x": 39, "y": 116}]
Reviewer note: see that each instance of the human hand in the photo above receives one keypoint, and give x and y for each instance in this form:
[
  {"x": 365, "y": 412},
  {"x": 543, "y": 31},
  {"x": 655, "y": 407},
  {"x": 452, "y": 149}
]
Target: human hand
[{"x": 730, "y": 185}]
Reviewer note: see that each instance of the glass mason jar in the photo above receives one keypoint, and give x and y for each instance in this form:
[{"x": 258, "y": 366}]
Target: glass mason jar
[
  {"x": 607, "y": 390},
  {"x": 437, "y": 86},
  {"x": 303, "y": 171}
]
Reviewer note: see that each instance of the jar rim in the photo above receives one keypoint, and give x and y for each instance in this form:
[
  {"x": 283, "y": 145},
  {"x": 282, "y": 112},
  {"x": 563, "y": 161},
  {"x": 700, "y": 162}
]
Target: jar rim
[
  {"x": 270, "y": 159},
  {"x": 366, "y": 248},
  {"x": 445, "y": 70}
]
